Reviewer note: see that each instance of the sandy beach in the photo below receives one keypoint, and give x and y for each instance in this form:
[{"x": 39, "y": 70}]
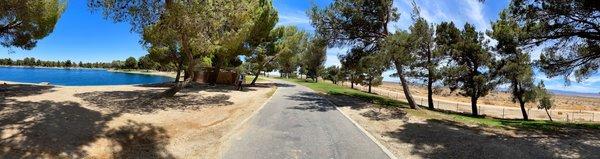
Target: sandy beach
[{"x": 43, "y": 121}]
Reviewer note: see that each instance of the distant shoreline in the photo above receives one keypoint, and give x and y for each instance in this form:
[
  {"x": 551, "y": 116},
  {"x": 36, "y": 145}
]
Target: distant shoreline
[
  {"x": 144, "y": 72},
  {"x": 80, "y": 68}
]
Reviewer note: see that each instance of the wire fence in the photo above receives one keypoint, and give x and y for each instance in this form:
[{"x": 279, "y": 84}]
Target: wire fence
[{"x": 492, "y": 110}]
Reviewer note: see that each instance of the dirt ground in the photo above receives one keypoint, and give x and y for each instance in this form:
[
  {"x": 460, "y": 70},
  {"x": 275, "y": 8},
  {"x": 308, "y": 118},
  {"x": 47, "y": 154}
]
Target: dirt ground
[
  {"x": 121, "y": 121},
  {"x": 503, "y": 99},
  {"x": 428, "y": 134}
]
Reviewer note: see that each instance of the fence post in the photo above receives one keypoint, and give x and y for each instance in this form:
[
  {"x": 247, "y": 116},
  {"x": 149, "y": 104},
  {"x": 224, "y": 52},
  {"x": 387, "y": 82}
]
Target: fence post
[
  {"x": 502, "y": 113},
  {"x": 593, "y": 116},
  {"x": 457, "y": 107}
]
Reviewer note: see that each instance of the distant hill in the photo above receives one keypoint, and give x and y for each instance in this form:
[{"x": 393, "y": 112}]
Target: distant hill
[
  {"x": 569, "y": 93},
  {"x": 556, "y": 92}
]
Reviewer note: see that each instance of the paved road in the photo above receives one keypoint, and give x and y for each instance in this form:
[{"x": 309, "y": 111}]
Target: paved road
[{"x": 297, "y": 123}]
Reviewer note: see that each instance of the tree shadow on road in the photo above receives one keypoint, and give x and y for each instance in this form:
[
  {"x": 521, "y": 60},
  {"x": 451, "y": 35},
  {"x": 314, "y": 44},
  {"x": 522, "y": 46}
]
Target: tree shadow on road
[
  {"x": 311, "y": 102},
  {"x": 448, "y": 139}
]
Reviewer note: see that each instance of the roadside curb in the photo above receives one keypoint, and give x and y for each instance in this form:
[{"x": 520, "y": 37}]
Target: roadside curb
[{"x": 381, "y": 146}]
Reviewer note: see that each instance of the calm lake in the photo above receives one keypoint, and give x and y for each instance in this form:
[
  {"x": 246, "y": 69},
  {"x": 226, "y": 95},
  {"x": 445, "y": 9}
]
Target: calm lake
[{"x": 75, "y": 77}]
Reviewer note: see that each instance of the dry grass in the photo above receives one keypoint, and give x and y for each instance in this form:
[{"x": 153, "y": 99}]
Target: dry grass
[{"x": 503, "y": 99}]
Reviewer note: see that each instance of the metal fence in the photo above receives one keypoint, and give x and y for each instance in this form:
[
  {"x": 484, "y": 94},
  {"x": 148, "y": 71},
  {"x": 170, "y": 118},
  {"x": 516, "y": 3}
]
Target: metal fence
[{"x": 492, "y": 110}]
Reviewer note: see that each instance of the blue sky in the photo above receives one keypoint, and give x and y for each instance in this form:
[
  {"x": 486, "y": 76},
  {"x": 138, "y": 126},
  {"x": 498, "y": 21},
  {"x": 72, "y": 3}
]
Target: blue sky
[{"x": 82, "y": 35}]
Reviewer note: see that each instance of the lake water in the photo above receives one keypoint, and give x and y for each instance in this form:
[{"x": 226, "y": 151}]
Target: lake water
[{"x": 76, "y": 77}]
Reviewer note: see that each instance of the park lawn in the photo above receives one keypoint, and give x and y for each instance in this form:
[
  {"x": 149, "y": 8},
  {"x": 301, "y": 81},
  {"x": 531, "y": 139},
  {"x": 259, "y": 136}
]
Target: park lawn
[
  {"x": 381, "y": 101},
  {"x": 333, "y": 89}
]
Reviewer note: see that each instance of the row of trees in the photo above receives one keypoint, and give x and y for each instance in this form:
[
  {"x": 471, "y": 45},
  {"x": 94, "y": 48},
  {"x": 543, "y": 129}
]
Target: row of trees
[
  {"x": 30, "y": 61},
  {"x": 186, "y": 35},
  {"x": 144, "y": 62},
  {"x": 462, "y": 59},
  {"x": 194, "y": 35}
]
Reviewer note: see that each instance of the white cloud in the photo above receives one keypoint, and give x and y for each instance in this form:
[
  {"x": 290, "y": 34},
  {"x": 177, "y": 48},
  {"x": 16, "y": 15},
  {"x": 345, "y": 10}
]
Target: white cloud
[
  {"x": 295, "y": 17},
  {"x": 474, "y": 11},
  {"x": 332, "y": 55}
]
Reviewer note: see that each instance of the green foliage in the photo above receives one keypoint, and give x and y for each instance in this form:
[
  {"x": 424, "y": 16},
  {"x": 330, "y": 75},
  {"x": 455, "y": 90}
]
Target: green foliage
[
  {"x": 354, "y": 22},
  {"x": 314, "y": 57},
  {"x": 332, "y": 73},
  {"x": 290, "y": 46},
  {"x": 545, "y": 98},
  {"x": 146, "y": 62},
  {"x": 130, "y": 63},
  {"x": 361, "y": 24},
  {"x": 189, "y": 30},
  {"x": 568, "y": 32},
  {"x": 472, "y": 67},
  {"x": 515, "y": 66},
  {"x": 424, "y": 49},
  {"x": 24, "y": 22},
  {"x": 371, "y": 68}
]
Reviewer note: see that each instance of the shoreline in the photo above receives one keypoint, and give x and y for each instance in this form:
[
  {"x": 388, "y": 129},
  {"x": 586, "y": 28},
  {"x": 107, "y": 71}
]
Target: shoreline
[
  {"x": 134, "y": 71},
  {"x": 141, "y": 72},
  {"x": 146, "y": 72}
]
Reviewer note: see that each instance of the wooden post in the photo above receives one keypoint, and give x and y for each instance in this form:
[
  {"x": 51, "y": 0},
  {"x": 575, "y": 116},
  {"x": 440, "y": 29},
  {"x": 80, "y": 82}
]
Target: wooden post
[
  {"x": 502, "y": 113},
  {"x": 457, "y": 107}
]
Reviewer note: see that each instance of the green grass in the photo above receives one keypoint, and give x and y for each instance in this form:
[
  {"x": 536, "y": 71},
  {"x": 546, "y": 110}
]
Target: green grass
[
  {"x": 249, "y": 79},
  {"x": 530, "y": 124},
  {"x": 333, "y": 89}
]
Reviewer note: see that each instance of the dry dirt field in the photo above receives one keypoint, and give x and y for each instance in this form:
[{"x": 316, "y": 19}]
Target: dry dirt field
[
  {"x": 503, "y": 99},
  {"x": 121, "y": 121},
  {"x": 428, "y": 134}
]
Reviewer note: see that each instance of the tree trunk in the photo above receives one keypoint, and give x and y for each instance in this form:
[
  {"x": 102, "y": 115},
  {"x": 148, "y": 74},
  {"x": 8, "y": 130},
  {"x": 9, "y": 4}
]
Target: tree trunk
[
  {"x": 429, "y": 78},
  {"x": 523, "y": 111},
  {"x": 178, "y": 75},
  {"x": 255, "y": 77},
  {"x": 179, "y": 68},
  {"x": 370, "y": 85},
  {"x": 430, "y": 91},
  {"x": 180, "y": 85},
  {"x": 474, "y": 106},
  {"x": 550, "y": 117},
  {"x": 186, "y": 74},
  {"x": 215, "y": 75},
  {"x": 405, "y": 89},
  {"x": 351, "y": 81}
]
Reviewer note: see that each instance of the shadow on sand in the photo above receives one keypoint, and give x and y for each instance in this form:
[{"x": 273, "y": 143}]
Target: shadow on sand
[
  {"x": 196, "y": 87},
  {"x": 143, "y": 101},
  {"x": 48, "y": 129},
  {"x": 139, "y": 140},
  {"x": 36, "y": 129},
  {"x": 448, "y": 139}
]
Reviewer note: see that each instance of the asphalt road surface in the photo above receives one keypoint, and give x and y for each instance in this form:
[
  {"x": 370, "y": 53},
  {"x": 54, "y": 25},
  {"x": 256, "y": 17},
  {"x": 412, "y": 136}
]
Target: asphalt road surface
[{"x": 298, "y": 123}]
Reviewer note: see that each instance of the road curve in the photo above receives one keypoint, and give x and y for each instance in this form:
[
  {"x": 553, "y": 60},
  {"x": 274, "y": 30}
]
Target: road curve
[{"x": 298, "y": 123}]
